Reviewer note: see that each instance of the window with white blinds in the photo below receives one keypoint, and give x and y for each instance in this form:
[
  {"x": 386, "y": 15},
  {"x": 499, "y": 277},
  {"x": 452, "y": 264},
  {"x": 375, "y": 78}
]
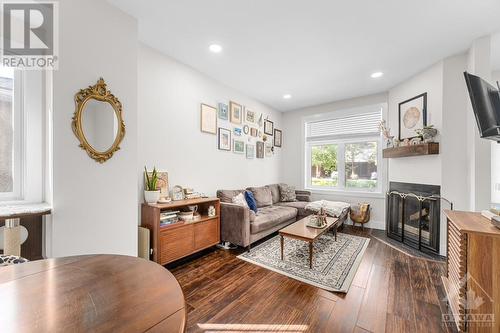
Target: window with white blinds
[
  {"x": 344, "y": 153},
  {"x": 361, "y": 124}
]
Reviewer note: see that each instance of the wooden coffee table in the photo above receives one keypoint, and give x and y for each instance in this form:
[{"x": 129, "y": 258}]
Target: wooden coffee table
[{"x": 299, "y": 230}]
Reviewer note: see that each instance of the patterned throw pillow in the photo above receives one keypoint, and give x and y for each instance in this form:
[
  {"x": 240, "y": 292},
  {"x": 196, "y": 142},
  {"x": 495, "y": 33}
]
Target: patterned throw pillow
[
  {"x": 240, "y": 200},
  {"x": 287, "y": 193}
]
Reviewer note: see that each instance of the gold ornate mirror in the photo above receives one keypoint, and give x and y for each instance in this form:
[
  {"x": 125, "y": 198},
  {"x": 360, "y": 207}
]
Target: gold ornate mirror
[{"x": 98, "y": 122}]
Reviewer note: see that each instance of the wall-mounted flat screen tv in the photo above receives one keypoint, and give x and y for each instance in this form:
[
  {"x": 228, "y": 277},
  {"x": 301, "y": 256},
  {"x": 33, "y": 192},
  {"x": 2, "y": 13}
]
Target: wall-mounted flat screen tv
[{"x": 486, "y": 105}]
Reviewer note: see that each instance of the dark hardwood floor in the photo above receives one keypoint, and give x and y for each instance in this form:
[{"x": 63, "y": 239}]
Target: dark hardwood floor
[{"x": 391, "y": 292}]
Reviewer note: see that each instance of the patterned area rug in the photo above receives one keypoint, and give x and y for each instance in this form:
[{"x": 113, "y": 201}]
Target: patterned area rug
[{"x": 334, "y": 262}]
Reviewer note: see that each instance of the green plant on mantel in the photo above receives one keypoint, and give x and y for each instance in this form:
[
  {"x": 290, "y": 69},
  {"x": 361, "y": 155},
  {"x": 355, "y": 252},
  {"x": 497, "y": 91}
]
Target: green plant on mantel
[{"x": 151, "y": 181}]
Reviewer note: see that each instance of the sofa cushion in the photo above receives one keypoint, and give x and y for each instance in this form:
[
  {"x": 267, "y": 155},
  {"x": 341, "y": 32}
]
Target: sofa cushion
[
  {"x": 299, "y": 205},
  {"x": 228, "y": 195},
  {"x": 287, "y": 193},
  {"x": 262, "y": 196},
  {"x": 271, "y": 216},
  {"x": 275, "y": 192}
]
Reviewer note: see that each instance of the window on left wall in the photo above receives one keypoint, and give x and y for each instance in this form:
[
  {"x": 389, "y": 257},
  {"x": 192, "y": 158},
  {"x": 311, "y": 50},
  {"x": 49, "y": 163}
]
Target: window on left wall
[{"x": 11, "y": 128}]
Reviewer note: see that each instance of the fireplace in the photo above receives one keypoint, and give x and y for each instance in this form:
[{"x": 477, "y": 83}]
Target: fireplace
[{"x": 413, "y": 215}]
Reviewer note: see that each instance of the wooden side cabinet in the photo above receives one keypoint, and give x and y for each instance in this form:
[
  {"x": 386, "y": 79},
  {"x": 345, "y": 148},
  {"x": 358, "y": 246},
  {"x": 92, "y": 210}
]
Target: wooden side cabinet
[
  {"x": 178, "y": 240},
  {"x": 472, "y": 281}
]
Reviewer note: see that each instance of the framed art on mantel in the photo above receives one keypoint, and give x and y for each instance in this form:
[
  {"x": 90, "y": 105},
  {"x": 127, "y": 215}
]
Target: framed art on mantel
[
  {"x": 278, "y": 137},
  {"x": 208, "y": 119},
  {"x": 236, "y": 112},
  {"x": 412, "y": 116},
  {"x": 224, "y": 139}
]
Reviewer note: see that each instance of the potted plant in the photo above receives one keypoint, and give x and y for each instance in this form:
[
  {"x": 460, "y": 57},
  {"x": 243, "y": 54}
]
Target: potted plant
[{"x": 151, "y": 191}]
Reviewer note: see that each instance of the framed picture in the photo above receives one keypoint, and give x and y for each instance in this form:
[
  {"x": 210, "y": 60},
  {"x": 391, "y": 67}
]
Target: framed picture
[
  {"x": 239, "y": 146},
  {"x": 236, "y": 112},
  {"x": 278, "y": 137},
  {"x": 268, "y": 127},
  {"x": 412, "y": 116},
  {"x": 269, "y": 150},
  {"x": 260, "y": 149},
  {"x": 250, "y": 116},
  {"x": 224, "y": 139},
  {"x": 177, "y": 193},
  {"x": 237, "y": 131},
  {"x": 250, "y": 151},
  {"x": 162, "y": 183},
  {"x": 208, "y": 119},
  {"x": 253, "y": 132},
  {"x": 223, "y": 111},
  {"x": 246, "y": 129}
]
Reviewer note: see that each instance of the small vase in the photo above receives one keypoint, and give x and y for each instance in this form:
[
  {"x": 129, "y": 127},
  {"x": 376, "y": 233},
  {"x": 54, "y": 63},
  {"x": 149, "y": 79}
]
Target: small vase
[{"x": 151, "y": 196}]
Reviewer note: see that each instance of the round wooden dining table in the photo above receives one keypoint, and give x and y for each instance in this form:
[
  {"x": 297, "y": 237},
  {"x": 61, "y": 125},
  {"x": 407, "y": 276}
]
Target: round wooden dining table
[{"x": 93, "y": 293}]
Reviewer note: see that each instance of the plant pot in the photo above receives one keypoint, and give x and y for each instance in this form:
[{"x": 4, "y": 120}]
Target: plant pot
[{"x": 151, "y": 196}]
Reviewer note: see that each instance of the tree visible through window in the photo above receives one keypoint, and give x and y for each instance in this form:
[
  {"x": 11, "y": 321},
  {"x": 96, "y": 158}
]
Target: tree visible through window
[
  {"x": 6, "y": 131},
  {"x": 361, "y": 165},
  {"x": 324, "y": 165}
]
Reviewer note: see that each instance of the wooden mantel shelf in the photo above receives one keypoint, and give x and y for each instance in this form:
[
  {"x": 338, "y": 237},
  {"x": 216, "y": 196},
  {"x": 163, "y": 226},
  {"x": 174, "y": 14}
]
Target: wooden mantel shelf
[{"x": 431, "y": 148}]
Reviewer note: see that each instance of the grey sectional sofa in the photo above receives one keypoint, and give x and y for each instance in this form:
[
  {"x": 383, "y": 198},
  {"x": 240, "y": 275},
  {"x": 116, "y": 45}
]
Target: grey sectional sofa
[{"x": 241, "y": 226}]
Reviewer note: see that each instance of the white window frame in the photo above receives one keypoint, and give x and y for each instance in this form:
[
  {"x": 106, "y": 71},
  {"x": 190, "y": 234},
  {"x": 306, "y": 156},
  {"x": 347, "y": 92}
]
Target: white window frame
[
  {"x": 18, "y": 171},
  {"x": 341, "y": 141}
]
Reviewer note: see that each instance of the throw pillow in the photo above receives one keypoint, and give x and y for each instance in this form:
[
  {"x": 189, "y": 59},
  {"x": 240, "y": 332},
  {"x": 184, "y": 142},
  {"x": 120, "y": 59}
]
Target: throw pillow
[
  {"x": 262, "y": 196},
  {"x": 252, "y": 204},
  {"x": 287, "y": 193},
  {"x": 275, "y": 192},
  {"x": 240, "y": 200}
]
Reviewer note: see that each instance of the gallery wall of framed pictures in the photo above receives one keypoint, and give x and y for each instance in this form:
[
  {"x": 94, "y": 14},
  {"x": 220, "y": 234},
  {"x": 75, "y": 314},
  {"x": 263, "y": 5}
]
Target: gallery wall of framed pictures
[{"x": 240, "y": 130}]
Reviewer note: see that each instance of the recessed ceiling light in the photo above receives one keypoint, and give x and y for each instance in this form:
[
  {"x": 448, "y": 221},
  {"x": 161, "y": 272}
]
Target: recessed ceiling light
[
  {"x": 215, "y": 48},
  {"x": 377, "y": 75},
  {"x": 287, "y": 96}
]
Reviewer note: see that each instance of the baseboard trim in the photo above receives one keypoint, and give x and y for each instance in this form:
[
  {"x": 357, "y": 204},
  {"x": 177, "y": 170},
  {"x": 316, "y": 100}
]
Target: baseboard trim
[{"x": 380, "y": 225}]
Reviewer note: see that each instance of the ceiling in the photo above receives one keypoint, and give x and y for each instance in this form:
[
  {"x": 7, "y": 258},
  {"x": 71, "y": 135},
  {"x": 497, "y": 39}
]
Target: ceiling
[{"x": 316, "y": 50}]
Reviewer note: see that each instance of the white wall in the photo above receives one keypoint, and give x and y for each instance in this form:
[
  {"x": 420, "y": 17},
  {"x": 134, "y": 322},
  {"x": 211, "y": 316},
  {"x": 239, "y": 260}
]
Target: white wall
[
  {"x": 170, "y": 94},
  {"x": 454, "y": 170},
  {"x": 495, "y": 157},
  {"x": 478, "y": 150},
  {"x": 293, "y": 162},
  {"x": 95, "y": 205}
]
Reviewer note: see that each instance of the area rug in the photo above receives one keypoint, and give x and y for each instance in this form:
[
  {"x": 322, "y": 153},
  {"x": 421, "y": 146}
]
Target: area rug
[{"x": 334, "y": 262}]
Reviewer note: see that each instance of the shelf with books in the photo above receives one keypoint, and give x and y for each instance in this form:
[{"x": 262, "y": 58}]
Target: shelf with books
[{"x": 171, "y": 237}]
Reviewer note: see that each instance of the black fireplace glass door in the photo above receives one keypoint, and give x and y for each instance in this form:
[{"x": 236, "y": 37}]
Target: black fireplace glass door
[
  {"x": 395, "y": 212},
  {"x": 411, "y": 218}
]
